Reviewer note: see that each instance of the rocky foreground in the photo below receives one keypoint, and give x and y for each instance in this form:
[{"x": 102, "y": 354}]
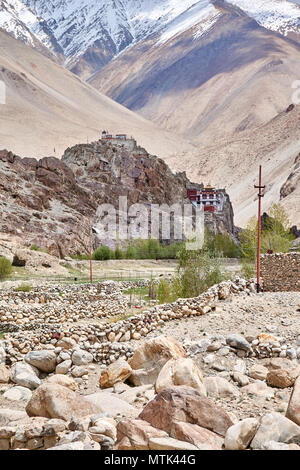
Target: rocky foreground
[{"x": 220, "y": 371}]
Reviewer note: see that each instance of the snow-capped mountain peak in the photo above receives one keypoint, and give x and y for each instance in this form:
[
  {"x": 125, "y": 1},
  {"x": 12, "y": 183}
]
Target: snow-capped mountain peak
[
  {"x": 90, "y": 33},
  {"x": 282, "y": 16}
]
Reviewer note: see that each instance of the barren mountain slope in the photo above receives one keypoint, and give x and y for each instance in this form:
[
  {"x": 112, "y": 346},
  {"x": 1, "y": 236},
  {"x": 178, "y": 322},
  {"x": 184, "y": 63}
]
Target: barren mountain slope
[
  {"x": 48, "y": 107},
  {"x": 205, "y": 84},
  {"x": 235, "y": 162}
]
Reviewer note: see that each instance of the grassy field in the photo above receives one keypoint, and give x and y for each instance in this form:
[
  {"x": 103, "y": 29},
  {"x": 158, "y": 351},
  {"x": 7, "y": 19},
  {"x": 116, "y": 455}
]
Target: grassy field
[{"x": 117, "y": 270}]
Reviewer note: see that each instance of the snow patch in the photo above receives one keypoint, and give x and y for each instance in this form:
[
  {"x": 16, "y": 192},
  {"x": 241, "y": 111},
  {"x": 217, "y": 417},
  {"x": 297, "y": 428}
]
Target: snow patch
[{"x": 203, "y": 14}]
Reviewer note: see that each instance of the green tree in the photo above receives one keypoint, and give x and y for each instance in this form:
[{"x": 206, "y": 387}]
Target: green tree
[
  {"x": 103, "y": 253},
  {"x": 275, "y": 235},
  {"x": 197, "y": 271},
  {"x": 248, "y": 240}
]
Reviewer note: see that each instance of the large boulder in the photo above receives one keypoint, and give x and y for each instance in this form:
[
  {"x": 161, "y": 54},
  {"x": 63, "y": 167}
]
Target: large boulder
[
  {"x": 149, "y": 359},
  {"x": 18, "y": 394},
  {"x": 283, "y": 378},
  {"x": 293, "y": 410},
  {"x": 10, "y": 417},
  {"x": 185, "y": 404},
  {"x": 63, "y": 380},
  {"x": 180, "y": 372},
  {"x": 219, "y": 387},
  {"x": 258, "y": 372},
  {"x": 45, "y": 361},
  {"x": 168, "y": 443},
  {"x": 56, "y": 401},
  {"x": 199, "y": 437},
  {"x": 112, "y": 404},
  {"x": 239, "y": 436},
  {"x": 259, "y": 389},
  {"x": 25, "y": 375},
  {"x": 119, "y": 371},
  {"x": 275, "y": 427},
  {"x": 135, "y": 434}
]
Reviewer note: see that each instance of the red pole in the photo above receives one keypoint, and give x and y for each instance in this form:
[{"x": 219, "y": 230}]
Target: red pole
[
  {"x": 91, "y": 256},
  {"x": 260, "y": 196}
]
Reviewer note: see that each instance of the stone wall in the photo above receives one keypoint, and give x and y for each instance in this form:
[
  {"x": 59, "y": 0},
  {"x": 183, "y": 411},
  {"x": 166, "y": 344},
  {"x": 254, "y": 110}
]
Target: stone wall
[
  {"x": 107, "y": 342},
  {"x": 281, "y": 272}
]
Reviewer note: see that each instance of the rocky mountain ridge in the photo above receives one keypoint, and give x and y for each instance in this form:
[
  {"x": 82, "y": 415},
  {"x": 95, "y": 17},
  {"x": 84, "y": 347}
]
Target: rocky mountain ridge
[{"x": 53, "y": 203}]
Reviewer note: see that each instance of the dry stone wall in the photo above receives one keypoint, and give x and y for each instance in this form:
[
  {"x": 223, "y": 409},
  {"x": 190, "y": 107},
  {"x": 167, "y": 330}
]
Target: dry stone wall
[
  {"x": 107, "y": 342},
  {"x": 281, "y": 272}
]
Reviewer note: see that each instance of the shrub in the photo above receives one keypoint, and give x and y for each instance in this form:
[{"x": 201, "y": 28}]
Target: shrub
[
  {"x": 164, "y": 292},
  {"x": 80, "y": 257},
  {"x": 103, "y": 253},
  {"x": 131, "y": 253},
  {"x": 152, "y": 249},
  {"x": 197, "y": 272},
  {"x": 5, "y": 267},
  {"x": 119, "y": 254},
  {"x": 223, "y": 245},
  {"x": 35, "y": 248},
  {"x": 24, "y": 288}
]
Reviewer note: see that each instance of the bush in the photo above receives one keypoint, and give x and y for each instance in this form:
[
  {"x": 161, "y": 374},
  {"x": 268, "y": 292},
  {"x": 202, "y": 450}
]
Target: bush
[
  {"x": 197, "y": 272},
  {"x": 224, "y": 246},
  {"x": 165, "y": 293},
  {"x": 119, "y": 254},
  {"x": 103, "y": 253},
  {"x": 131, "y": 253},
  {"x": 80, "y": 257},
  {"x": 5, "y": 267},
  {"x": 152, "y": 249},
  {"x": 24, "y": 288},
  {"x": 35, "y": 248}
]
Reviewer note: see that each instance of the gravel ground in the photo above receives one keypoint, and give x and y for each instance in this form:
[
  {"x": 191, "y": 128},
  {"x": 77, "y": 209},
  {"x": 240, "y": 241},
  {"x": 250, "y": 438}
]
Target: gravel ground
[
  {"x": 274, "y": 313},
  {"x": 277, "y": 313}
]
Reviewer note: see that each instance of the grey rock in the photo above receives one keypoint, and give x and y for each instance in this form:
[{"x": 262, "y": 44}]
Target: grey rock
[
  {"x": 18, "y": 394},
  {"x": 238, "y": 342},
  {"x": 23, "y": 374},
  {"x": 275, "y": 427},
  {"x": 81, "y": 357},
  {"x": 45, "y": 361}
]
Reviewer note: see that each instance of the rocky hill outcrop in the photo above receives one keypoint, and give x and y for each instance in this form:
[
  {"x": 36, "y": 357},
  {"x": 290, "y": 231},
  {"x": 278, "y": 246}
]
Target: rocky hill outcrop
[{"x": 52, "y": 203}]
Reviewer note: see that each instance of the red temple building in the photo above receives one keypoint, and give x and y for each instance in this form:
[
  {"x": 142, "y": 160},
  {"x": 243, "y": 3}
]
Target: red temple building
[{"x": 209, "y": 198}]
